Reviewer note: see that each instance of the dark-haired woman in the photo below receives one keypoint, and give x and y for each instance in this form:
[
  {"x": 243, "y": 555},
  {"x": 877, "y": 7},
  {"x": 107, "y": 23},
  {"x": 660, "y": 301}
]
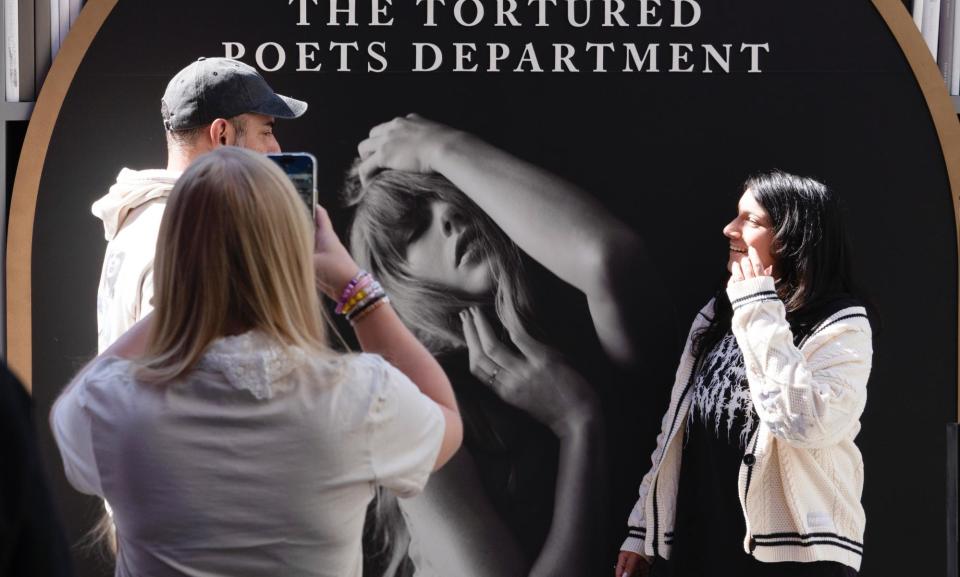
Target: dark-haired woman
[{"x": 756, "y": 472}]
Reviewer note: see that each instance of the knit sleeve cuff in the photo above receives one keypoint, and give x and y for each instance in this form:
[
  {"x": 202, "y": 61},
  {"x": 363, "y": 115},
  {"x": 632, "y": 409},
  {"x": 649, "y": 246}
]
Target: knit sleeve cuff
[
  {"x": 634, "y": 541},
  {"x": 751, "y": 290}
]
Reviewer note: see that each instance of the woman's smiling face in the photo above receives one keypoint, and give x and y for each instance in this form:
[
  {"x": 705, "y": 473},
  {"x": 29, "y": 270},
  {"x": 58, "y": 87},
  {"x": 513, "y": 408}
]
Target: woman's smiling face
[
  {"x": 447, "y": 250},
  {"x": 752, "y": 227}
]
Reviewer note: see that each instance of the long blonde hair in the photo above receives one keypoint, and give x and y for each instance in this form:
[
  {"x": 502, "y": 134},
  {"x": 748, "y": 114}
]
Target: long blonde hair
[{"x": 233, "y": 254}]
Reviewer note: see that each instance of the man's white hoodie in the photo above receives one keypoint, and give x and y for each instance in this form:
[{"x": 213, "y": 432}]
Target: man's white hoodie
[{"x": 131, "y": 214}]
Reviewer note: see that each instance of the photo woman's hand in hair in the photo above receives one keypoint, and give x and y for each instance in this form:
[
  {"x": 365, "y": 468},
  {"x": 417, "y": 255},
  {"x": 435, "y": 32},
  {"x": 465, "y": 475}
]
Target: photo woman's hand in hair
[
  {"x": 537, "y": 381},
  {"x": 537, "y": 209},
  {"x": 333, "y": 264},
  {"x": 748, "y": 267},
  {"x": 409, "y": 144}
]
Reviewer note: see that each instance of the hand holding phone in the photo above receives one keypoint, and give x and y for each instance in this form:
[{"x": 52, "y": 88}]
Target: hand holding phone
[{"x": 301, "y": 167}]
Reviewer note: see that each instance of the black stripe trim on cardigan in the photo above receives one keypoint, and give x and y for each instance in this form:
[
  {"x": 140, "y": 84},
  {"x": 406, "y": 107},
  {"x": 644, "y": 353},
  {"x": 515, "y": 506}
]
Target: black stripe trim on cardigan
[
  {"x": 686, "y": 389},
  {"x": 808, "y": 544},
  {"x": 753, "y": 295},
  {"x": 656, "y": 512},
  {"x": 667, "y": 537},
  {"x": 746, "y": 487},
  {"x": 804, "y": 536},
  {"x": 756, "y": 300},
  {"x": 827, "y": 322},
  {"x": 837, "y": 320},
  {"x": 656, "y": 483}
]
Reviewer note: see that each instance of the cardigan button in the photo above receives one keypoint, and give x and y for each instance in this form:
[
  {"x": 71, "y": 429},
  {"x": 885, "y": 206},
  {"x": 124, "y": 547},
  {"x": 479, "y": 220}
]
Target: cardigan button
[{"x": 749, "y": 460}]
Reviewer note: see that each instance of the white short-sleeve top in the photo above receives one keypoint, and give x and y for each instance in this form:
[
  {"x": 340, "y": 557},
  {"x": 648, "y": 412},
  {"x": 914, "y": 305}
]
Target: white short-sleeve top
[{"x": 261, "y": 461}]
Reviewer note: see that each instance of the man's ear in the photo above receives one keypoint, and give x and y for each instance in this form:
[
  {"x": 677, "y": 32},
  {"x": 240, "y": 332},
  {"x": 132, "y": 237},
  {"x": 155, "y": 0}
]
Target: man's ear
[{"x": 221, "y": 133}]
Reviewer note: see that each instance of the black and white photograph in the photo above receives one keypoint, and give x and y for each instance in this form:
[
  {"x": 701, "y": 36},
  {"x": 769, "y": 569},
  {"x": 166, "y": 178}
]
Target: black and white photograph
[{"x": 690, "y": 268}]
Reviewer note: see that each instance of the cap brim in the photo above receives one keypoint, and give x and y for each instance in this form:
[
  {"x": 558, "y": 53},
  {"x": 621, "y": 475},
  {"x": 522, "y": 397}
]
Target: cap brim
[{"x": 282, "y": 107}]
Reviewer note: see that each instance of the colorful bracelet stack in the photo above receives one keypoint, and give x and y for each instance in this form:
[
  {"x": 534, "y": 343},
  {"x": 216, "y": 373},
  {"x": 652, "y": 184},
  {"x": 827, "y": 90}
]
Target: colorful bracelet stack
[{"x": 360, "y": 297}]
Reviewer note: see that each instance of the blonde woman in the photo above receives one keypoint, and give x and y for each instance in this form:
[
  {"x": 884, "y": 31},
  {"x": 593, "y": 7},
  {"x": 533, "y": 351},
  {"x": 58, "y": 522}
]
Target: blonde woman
[{"x": 225, "y": 433}]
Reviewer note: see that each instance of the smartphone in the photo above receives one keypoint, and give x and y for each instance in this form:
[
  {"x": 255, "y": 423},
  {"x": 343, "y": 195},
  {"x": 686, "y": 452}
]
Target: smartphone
[{"x": 301, "y": 167}]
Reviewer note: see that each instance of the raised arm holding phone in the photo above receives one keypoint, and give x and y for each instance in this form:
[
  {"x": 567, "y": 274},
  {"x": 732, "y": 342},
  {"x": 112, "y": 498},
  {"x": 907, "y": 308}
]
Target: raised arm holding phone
[{"x": 227, "y": 435}]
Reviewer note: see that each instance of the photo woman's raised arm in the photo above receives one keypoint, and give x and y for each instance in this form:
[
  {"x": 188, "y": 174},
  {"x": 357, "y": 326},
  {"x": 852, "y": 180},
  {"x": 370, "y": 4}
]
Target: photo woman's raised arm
[{"x": 553, "y": 221}]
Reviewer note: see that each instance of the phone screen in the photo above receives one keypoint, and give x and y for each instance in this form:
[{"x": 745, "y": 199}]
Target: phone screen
[{"x": 301, "y": 167}]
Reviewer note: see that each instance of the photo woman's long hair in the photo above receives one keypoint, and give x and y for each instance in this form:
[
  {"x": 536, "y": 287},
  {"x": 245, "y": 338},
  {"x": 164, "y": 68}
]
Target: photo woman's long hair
[
  {"x": 234, "y": 253},
  {"x": 389, "y": 209},
  {"x": 809, "y": 242}
]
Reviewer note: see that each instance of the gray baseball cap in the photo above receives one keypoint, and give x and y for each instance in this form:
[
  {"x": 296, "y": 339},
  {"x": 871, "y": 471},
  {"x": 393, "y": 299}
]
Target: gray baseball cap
[{"x": 213, "y": 88}]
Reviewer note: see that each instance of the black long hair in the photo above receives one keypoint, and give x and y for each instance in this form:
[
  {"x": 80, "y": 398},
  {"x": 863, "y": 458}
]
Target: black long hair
[{"x": 809, "y": 243}]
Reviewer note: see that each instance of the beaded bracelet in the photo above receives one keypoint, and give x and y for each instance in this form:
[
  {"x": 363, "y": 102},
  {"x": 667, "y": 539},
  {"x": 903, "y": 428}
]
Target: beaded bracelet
[
  {"x": 365, "y": 312},
  {"x": 361, "y": 279},
  {"x": 373, "y": 296},
  {"x": 362, "y": 296}
]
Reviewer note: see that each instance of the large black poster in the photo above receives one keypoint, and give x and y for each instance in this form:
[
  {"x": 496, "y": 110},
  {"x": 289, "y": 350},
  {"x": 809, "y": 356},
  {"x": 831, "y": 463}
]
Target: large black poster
[{"x": 657, "y": 111}]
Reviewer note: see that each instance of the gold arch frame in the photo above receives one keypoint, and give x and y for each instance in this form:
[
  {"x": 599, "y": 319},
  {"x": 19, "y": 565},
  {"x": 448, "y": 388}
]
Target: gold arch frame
[
  {"x": 95, "y": 12},
  {"x": 26, "y": 186}
]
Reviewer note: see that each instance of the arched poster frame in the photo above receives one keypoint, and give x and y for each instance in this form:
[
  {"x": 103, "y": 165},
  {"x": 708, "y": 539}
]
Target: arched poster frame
[
  {"x": 19, "y": 302},
  {"x": 21, "y": 307}
]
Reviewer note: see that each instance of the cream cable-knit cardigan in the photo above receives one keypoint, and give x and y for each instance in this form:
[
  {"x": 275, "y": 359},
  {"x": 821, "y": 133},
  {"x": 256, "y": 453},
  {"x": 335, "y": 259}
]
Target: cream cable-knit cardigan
[{"x": 801, "y": 477}]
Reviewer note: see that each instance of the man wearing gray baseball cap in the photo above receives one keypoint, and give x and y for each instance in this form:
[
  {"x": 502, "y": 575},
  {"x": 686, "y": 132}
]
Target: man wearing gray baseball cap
[{"x": 212, "y": 102}]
